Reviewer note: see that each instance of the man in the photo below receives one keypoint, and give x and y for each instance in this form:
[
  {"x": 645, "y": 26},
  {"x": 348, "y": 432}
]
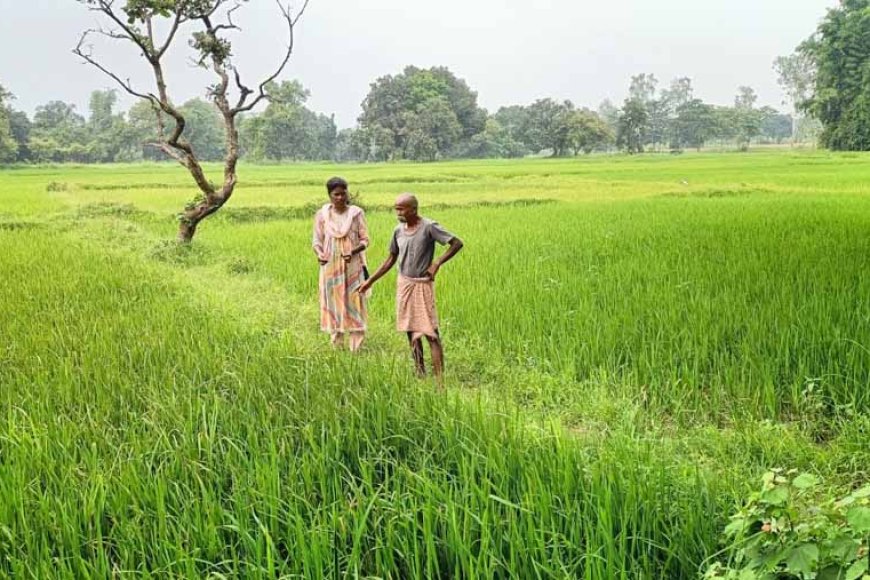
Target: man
[{"x": 413, "y": 245}]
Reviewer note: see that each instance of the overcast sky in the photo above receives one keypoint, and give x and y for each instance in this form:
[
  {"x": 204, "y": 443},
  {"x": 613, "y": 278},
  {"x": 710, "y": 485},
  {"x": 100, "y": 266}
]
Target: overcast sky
[{"x": 510, "y": 52}]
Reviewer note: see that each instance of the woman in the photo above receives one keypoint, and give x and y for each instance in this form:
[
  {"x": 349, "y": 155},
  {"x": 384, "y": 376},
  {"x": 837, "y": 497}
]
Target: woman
[{"x": 339, "y": 241}]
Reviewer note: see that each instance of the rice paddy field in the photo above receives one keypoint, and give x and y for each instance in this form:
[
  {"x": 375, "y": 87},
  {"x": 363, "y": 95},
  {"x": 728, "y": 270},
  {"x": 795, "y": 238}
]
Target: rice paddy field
[{"x": 630, "y": 343}]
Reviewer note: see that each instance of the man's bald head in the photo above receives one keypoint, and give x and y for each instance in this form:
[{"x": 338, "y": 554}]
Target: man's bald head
[
  {"x": 407, "y": 199},
  {"x": 406, "y": 208}
]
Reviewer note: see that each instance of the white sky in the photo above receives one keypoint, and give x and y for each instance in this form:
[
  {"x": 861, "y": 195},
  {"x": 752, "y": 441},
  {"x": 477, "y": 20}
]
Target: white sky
[{"x": 510, "y": 52}]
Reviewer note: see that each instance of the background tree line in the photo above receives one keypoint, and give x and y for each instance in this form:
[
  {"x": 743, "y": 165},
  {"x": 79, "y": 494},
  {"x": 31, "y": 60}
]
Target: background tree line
[
  {"x": 419, "y": 114},
  {"x": 430, "y": 114}
]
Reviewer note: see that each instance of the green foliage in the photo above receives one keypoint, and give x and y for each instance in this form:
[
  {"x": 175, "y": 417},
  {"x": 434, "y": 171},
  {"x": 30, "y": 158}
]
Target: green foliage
[
  {"x": 675, "y": 117},
  {"x": 747, "y": 118},
  {"x": 287, "y": 130},
  {"x": 495, "y": 141},
  {"x": 588, "y": 132},
  {"x": 790, "y": 530},
  {"x": 142, "y": 129},
  {"x": 547, "y": 125},
  {"x": 796, "y": 75},
  {"x": 840, "y": 52},
  {"x": 211, "y": 48},
  {"x": 432, "y": 131},
  {"x": 557, "y": 127},
  {"x": 775, "y": 127},
  {"x": 694, "y": 125},
  {"x": 632, "y": 128},
  {"x": 8, "y": 143},
  {"x": 19, "y": 127},
  {"x": 204, "y": 129},
  {"x": 59, "y": 133},
  {"x": 425, "y": 112},
  {"x": 109, "y": 133}
]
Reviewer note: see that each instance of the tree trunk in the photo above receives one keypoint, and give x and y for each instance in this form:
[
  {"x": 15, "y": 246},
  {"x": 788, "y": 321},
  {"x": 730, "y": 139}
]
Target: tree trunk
[{"x": 189, "y": 220}]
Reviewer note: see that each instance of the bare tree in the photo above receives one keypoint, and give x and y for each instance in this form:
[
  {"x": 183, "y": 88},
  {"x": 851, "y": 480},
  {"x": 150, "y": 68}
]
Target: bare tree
[{"x": 137, "y": 22}]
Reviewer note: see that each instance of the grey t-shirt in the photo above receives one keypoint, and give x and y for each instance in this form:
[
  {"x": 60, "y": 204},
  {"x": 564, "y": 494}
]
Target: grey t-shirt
[{"x": 417, "y": 250}]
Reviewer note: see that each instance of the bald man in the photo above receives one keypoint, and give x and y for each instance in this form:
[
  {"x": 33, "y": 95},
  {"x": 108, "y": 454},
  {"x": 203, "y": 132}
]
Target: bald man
[{"x": 413, "y": 246}]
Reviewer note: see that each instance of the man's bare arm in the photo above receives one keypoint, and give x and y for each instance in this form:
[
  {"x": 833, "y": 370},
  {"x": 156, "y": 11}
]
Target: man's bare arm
[
  {"x": 454, "y": 246},
  {"x": 384, "y": 268}
]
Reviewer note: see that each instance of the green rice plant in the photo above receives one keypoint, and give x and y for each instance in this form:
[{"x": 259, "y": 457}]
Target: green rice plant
[{"x": 621, "y": 362}]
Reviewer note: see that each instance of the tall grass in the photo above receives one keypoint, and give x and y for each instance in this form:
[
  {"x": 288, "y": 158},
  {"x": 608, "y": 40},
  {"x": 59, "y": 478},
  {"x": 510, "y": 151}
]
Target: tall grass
[
  {"x": 751, "y": 304},
  {"x": 144, "y": 436},
  {"x": 621, "y": 363}
]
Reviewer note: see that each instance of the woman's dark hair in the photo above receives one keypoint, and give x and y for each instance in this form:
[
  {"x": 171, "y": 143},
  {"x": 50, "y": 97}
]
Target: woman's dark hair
[{"x": 335, "y": 182}]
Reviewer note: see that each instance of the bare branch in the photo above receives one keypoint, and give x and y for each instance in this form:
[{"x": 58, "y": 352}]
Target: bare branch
[
  {"x": 301, "y": 12},
  {"x": 230, "y": 24},
  {"x": 209, "y": 12},
  {"x": 105, "y": 6},
  {"x": 220, "y": 27},
  {"x": 179, "y": 19},
  {"x": 79, "y": 50},
  {"x": 261, "y": 93},
  {"x": 230, "y": 15},
  {"x": 243, "y": 90},
  {"x": 111, "y": 34},
  {"x": 168, "y": 150}
]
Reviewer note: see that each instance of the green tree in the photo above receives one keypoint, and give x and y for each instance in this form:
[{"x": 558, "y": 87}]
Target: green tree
[
  {"x": 642, "y": 95},
  {"x": 673, "y": 99},
  {"x": 204, "y": 129},
  {"x": 344, "y": 146},
  {"x": 659, "y": 112},
  {"x": 548, "y": 126},
  {"x": 747, "y": 117},
  {"x": 727, "y": 123},
  {"x": 143, "y": 132},
  {"x": 774, "y": 126},
  {"x": 512, "y": 120},
  {"x": 410, "y": 107},
  {"x": 8, "y": 144},
  {"x": 494, "y": 142},
  {"x": 632, "y": 127},
  {"x": 109, "y": 133},
  {"x": 287, "y": 129},
  {"x": 840, "y": 53},
  {"x": 59, "y": 134},
  {"x": 643, "y": 88},
  {"x": 796, "y": 75},
  {"x": 609, "y": 113},
  {"x": 373, "y": 143},
  {"x": 20, "y": 126},
  {"x": 432, "y": 131},
  {"x": 588, "y": 132},
  {"x": 694, "y": 125}
]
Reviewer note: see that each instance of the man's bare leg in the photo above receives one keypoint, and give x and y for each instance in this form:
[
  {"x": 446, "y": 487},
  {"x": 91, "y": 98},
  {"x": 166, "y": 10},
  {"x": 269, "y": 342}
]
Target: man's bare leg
[
  {"x": 417, "y": 354},
  {"x": 337, "y": 339},
  {"x": 437, "y": 356}
]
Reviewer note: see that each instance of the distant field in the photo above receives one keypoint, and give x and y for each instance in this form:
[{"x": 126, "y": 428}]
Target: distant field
[{"x": 630, "y": 342}]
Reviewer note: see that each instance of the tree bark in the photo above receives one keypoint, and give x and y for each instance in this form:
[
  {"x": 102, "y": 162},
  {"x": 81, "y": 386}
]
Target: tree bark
[{"x": 190, "y": 219}]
